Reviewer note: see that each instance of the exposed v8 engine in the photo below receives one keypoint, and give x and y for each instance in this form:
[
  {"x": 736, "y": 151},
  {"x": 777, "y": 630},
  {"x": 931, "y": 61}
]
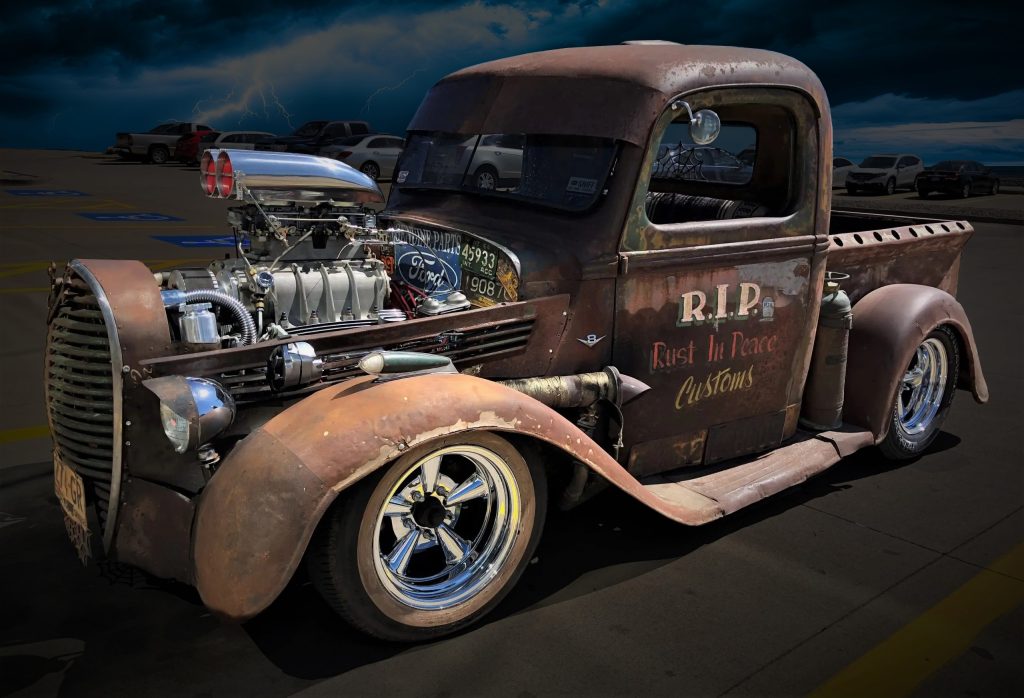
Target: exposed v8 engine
[{"x": 310, "y": 257}]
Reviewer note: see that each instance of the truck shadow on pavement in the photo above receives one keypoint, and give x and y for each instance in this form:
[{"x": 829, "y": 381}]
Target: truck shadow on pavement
[{"x": 604, "y": 542}]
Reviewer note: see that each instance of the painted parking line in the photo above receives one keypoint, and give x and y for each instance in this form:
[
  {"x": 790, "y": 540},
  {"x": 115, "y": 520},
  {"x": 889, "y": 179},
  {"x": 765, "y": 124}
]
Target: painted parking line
[
  {"x": 200, "y": 240},
  {"x": 24, "y": 290},
  {"x": 130, "y": 217},
  {"x": 942, "y": 633},
  {"x": 23, "y": 434},
  {"x": 46, "y": 192}
]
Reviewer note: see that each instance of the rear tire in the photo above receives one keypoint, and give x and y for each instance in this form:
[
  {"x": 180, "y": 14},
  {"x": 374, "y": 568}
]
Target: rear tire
[
  {"x": 965, "y": 191},
  {"x": 407, "y": 560},
  {"x": 486, "y": 177},
  {"x": 995, "y": 188},
  {"x": 924, "y": 396},
  {"x": 371, "y": 170},
  {"x": 158, "y": 154}
]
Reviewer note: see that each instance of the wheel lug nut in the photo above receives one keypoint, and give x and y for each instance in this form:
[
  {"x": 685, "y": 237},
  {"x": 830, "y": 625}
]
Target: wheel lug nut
[{"x": 417, "y": 496}]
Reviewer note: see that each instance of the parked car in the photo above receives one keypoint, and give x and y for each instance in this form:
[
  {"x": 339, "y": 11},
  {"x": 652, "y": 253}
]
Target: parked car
[
  {"x": 157, "y": 144},
  {"x": 314, "y": 135},
  {"x": 497, "y": 161},
  {"x": 840, "y": 168},
  {"x": 884, "y": 173},
  {"x": 234, "y": 140},
  {"x": 374, "y": 155},
  {"x": 392, "y": 398},
  {"x": 702, "y": 163},
  {"x": 963, "y": 177},
  {"x": 187, "y": 148}
]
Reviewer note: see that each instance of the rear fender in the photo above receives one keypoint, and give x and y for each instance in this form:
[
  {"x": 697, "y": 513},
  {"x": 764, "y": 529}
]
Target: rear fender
[
  {"x": 889, "y": 324},
  {"x": 256, "y": 516}
]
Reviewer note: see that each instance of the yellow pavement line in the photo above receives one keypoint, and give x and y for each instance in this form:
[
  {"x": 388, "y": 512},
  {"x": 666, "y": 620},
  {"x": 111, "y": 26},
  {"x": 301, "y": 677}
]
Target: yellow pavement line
[
  {"x": 23, "y": 434},
  {"x": 26, "y": 289},
  {"x": 942, "y": 633},
  {"x": 24, "y": 268}
]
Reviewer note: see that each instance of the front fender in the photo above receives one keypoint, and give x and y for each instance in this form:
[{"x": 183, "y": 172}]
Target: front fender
[
  {"x": 259, "y": 511},
  {"x": 888, "y": 325}
]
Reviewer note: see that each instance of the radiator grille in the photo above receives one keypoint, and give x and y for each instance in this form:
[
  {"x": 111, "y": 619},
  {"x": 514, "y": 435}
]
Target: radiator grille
[{"x": 80, "y": 393}]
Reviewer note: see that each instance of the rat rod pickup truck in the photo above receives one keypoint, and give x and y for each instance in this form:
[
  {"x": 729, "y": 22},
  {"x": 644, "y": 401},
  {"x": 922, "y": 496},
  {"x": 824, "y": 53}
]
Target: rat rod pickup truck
[{"x": 391, "y": 397}]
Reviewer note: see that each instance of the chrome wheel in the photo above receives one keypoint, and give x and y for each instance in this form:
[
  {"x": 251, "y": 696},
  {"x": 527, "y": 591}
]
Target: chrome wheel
[
  {"x": 923, "y": 387},
  {"x": 446, "y": 527}
]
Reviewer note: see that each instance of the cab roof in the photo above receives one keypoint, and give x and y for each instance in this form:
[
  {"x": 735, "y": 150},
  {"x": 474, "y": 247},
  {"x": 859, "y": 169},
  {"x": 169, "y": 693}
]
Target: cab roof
[{"x": 602, "y": 91}]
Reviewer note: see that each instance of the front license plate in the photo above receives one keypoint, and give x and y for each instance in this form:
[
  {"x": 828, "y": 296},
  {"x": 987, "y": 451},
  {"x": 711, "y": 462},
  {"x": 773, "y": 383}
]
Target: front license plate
[{"x": 70, "y": 490}]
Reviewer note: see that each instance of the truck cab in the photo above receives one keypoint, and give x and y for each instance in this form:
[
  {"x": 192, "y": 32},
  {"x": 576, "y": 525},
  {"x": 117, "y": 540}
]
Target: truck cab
[{"x": 655, "y": 296}]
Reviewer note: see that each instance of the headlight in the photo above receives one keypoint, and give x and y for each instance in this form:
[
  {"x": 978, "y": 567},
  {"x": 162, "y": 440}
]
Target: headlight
[{"x": 192, "y": 410}]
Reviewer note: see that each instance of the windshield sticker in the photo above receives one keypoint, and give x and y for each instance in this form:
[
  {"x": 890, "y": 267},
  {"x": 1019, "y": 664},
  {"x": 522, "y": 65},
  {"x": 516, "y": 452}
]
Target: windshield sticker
[{"x": 582, "y": 185}]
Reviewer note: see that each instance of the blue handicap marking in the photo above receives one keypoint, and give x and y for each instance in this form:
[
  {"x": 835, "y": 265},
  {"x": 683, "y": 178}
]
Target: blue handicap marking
[
  {"x": 199, "y": 240},
  {"x": 130, "y": 217},
  {"x": 45, "y": 192}
]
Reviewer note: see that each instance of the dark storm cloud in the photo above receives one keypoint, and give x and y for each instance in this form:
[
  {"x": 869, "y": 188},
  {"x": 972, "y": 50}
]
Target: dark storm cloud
[
  {"x": 920, "y": 48},
  {"x": 127, "y": 35}
]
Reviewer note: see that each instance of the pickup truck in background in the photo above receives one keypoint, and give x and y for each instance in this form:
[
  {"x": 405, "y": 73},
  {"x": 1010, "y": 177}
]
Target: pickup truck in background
[
  {"x": 393, "y": 398},
  {"x": 156, "y": 145}
]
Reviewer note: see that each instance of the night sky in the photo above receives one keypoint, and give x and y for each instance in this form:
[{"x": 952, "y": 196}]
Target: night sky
[{"x": 941, "y": 79}]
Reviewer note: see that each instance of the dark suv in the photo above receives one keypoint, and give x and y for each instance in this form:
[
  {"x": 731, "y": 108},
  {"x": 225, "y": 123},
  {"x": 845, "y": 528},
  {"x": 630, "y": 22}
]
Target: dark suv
[
  {"x": 962, "y": 177},
  {"x": 313, "y": 135}
]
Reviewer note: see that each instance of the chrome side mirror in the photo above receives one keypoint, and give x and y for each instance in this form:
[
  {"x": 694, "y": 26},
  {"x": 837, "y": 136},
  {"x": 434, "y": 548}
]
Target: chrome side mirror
[{"x": 705, "y": 125}]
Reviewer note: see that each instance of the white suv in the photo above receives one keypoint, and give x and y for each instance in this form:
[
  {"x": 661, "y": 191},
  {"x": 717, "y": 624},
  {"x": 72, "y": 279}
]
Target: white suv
[{"x": 885, "y": 173}]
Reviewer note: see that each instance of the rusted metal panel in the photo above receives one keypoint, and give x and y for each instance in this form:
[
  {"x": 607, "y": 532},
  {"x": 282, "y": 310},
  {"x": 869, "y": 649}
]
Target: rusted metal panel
[
  {"x": 926, "y": 253},
  {"x": 889, "y": 324},
  {"x": 155, "y": 530},
  {"x": 725, "y": 339},
  {"x": 290, "y": 470},
  {"x": 677, "y": 451},
  {"x": 617, "y": 91},
  {"x": 742, "y": 436}
]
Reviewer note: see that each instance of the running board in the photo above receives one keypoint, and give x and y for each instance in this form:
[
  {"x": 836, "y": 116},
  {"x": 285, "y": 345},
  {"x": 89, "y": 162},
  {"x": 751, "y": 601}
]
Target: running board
[{"x": 710, "y": 496}]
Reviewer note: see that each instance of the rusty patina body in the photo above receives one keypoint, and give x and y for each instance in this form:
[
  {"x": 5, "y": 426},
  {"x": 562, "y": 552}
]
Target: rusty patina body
[{"x": 600, "y": 287}]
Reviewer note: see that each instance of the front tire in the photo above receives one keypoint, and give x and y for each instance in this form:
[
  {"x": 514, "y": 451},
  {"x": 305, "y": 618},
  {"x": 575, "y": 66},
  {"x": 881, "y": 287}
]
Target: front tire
[
  {"x": 890, "y": 186},
  {"x": 435, "y": 541},
  {"x": 965, "y": 191},
  {"x": 924, "y": 396}
]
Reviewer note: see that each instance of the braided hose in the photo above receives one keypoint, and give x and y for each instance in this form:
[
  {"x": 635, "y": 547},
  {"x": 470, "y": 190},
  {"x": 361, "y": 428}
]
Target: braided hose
[{"x": 203, "y": 295}]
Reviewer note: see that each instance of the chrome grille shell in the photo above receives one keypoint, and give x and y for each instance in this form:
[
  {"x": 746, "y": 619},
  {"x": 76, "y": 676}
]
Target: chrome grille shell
[{"x": 83, "y": 369}]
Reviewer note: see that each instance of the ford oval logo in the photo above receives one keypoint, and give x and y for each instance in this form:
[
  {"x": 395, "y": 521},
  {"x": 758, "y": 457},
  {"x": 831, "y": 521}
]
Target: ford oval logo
[{"x": 423, "y": 269}]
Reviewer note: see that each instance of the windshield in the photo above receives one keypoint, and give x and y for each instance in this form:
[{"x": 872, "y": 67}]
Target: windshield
[
  {"x": 879, "y": 161},
  {"x": 561, "y": 171},
  {"x": 310, "y": 128}
]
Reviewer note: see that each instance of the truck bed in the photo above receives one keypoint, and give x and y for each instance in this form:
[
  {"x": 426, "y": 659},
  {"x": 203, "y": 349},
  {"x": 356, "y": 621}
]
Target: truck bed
[{"x": 877, "y": 250}]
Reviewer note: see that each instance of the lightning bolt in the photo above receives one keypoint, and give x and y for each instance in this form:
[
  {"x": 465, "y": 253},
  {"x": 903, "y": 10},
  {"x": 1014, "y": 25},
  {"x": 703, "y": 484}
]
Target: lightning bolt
[
  {"x": 284, "y": 112},
  {"x": 242, "y": 104},
  {"x": 390, "y": 88}
]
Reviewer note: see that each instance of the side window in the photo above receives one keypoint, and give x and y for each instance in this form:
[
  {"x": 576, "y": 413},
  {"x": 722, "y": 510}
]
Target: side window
[
  {"x": 232, "y": 138},
  {"x": 334, "y": 131},
  {"x": 905, "y": 162},
  {"x": 691, "y": 182},
  {"x": 841, "y": 162},
  {"x": 377, "y": 143},
  {"x": 357, "y": 127},
  {"x": 200, "y": 127},
  {"x": 395, "y": 143}
]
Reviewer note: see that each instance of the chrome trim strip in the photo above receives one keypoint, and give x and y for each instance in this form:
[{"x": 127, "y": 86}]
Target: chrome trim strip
[{"x": 116, "y": 364}]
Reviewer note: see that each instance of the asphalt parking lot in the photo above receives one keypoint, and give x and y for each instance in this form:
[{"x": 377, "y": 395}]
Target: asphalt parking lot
[{"x": 868, "y": 580}]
